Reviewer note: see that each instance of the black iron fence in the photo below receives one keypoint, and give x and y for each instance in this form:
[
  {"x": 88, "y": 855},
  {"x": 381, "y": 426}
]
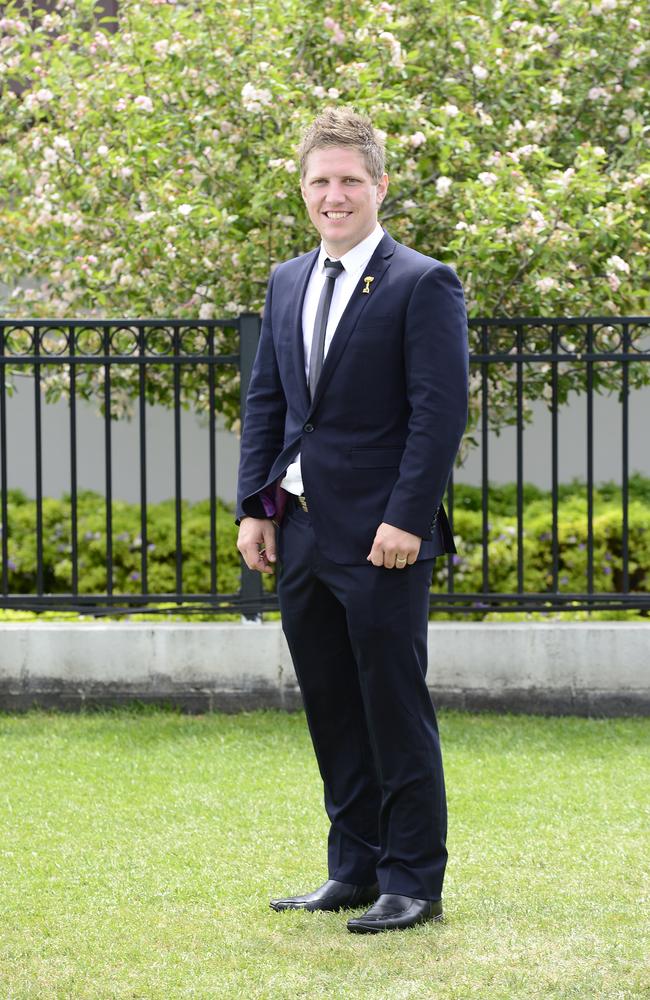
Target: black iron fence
[{"x": 546, "y": 358}]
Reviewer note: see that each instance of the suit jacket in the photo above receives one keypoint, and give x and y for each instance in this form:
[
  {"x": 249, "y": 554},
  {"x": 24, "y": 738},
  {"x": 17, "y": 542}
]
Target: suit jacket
[{"x": 378, "y": 440}]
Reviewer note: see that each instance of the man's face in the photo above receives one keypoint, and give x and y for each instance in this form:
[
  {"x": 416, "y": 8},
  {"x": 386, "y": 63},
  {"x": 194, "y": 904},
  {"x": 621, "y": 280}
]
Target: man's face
[{"x": 340, "y": 196}]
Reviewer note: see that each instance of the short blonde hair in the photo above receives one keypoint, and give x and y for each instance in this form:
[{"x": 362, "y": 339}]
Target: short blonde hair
[{"x": 344, "y": 127}]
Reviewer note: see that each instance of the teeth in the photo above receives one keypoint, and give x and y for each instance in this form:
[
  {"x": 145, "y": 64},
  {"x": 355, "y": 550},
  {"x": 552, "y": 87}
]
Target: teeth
[{"x": 336, "y": 215}]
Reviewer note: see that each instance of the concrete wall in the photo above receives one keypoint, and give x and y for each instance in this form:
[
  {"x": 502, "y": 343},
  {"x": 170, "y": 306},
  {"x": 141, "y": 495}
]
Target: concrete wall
[{"x": 556, "y": 668}]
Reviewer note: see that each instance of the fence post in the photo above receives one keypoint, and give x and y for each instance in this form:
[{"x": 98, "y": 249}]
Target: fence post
[{"x": 250, "y": 324}]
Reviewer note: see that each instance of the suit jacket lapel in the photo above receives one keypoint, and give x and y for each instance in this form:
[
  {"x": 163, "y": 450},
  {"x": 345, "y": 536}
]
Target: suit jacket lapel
[
  {"x": 302, "y": 280},
  {"x": 376, "y": 268}
]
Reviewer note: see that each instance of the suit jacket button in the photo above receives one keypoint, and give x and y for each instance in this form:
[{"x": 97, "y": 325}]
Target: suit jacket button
[{"x": 308, "y": 428}]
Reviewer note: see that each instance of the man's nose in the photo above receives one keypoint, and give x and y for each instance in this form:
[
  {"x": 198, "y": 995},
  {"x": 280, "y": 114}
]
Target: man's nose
[{"x": 335, "y": 192}]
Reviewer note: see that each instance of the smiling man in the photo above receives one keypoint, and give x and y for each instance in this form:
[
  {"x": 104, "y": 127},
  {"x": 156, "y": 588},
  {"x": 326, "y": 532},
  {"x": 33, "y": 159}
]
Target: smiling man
[{"x": 356, "y": 409}]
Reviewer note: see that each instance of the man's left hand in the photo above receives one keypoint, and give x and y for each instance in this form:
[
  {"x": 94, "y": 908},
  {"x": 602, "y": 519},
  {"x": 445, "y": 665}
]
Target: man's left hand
[{"x": 394, "y": 548}]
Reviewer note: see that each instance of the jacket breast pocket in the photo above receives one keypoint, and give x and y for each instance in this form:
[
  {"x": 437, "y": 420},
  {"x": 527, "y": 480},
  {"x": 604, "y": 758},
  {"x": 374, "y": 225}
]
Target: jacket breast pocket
[
  {"x": 382, "y": 322},
  {"x": 375, "y": 458}
]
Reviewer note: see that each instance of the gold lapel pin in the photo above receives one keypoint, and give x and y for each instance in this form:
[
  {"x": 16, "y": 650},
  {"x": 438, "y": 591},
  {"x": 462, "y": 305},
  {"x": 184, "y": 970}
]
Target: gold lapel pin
[{"x": 366, "y": 289}]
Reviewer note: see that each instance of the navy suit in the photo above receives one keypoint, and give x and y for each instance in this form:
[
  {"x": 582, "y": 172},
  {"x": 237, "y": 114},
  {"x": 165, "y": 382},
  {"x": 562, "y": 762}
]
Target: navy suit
[{"x": 377, "y": 444}]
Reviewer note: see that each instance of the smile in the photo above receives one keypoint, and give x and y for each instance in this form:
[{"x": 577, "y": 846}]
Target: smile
[{"x": 336, "y": 215}]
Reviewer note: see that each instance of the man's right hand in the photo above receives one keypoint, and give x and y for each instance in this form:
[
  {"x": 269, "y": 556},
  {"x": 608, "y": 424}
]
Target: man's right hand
[{"x": 256, "y": 542}]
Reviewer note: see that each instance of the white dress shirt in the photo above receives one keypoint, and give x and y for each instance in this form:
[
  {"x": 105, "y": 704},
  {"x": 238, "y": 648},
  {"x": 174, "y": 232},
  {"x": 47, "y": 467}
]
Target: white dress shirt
[{"x": 354, "y": 262}]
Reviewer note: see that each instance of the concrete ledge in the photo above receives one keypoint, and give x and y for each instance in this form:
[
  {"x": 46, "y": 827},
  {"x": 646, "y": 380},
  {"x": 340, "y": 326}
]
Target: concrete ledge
[{"x": 600, "y": 668}]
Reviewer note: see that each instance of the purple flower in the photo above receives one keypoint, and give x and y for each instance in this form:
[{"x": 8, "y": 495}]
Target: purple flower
[
  {"x": 607, "y": 570},
  {"x": 545, "y": 535},
  {"x": 134, "y": 575},
  {"x": 564, "y": 579},
  {"x": 582, "y": 546},
  {"x": 11, "y": 564},
  {"x": 608, "y": 555},
  {"x": 456, "y": 559}
]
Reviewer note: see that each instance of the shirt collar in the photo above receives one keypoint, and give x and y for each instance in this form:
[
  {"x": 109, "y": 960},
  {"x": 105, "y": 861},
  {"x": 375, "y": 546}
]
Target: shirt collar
[{"x": 359, "y": 255}]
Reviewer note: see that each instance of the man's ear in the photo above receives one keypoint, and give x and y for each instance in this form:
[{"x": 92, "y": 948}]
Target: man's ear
[{"x": 382, "y": 188}]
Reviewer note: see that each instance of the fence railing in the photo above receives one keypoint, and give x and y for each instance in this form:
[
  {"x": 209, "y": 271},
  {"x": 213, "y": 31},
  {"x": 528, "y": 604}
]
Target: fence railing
[{"x": 562, "y": 353}]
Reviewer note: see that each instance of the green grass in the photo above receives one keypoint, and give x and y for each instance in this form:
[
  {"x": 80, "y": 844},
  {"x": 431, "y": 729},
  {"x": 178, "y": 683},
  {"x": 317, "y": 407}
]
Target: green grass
[{"x": 138, "y": 851}]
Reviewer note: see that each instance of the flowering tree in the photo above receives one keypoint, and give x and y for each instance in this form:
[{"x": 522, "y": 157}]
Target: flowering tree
[{"x": 151, "y": 171}]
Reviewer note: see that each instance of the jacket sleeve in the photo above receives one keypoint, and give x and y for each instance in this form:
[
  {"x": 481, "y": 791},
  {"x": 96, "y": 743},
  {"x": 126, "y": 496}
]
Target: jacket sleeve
[
  {"x": 263, "y": 427},
  {"x": 436, "y": 361}
]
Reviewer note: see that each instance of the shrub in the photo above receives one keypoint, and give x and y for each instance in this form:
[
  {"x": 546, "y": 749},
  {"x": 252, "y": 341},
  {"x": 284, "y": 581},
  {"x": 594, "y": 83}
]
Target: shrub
[
  {"x": 127, "y": 546},
  {"x": 468, "y": 528},
  {"x": 537, "y": 539}
]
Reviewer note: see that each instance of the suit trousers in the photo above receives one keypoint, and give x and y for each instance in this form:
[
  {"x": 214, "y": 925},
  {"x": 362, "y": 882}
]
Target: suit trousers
[{"x": 358, "y": 639}]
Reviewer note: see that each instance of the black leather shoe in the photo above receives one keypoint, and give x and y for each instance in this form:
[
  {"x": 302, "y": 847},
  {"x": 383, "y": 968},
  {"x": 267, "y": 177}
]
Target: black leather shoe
[
  {"x": 332, "y": 896},
  {"x": 395, "y": 913}
]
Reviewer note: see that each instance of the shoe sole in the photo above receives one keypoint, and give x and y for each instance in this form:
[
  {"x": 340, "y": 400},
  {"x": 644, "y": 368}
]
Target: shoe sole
[
  {"x": 279, "y": 905},
  {"x": 324, "y": 909},
  {"x": 310, "y": 909},
  {"x": 373, "y": 929}
]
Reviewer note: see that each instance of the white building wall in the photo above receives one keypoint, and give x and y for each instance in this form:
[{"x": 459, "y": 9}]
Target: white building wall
[{"x": 21, "y": 457}]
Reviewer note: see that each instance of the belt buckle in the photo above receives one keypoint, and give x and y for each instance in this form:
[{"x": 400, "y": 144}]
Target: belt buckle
[{"x": 302, "y": 500}]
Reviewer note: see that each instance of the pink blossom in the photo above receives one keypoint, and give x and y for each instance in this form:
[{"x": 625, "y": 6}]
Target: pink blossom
[
  {"x": 144, "y": 103},
  {"x": 618, "y": 264},
  {"x": 443, "y": 186},
  {"x": 395, "y": 48},
  {"x": 338, "y": 35},
  {"x": 480, "y": 72},
  {"x": 417, "y": 139},
  {"x": 254, "y": 98}
]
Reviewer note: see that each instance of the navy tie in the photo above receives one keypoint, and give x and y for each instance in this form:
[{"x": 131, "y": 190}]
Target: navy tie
[{"x": 332, "y": 270}]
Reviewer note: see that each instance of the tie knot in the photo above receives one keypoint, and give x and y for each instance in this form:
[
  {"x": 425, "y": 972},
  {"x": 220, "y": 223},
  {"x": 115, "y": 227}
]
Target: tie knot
[{"x": 332, "y": 268}]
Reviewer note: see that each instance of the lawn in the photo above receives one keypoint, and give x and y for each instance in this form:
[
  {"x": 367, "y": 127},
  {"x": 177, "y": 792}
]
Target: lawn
[{"x": 139, "y": 850}]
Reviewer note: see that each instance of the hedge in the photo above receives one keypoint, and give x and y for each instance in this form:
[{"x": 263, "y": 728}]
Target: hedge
[
  {"x": 537, "y": 539},
  {"x": 468, "y": 522}
]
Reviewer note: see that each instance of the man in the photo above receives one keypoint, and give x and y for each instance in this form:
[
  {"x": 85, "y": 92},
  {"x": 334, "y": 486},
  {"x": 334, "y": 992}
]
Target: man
[{"x": 356, "y": 408}]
